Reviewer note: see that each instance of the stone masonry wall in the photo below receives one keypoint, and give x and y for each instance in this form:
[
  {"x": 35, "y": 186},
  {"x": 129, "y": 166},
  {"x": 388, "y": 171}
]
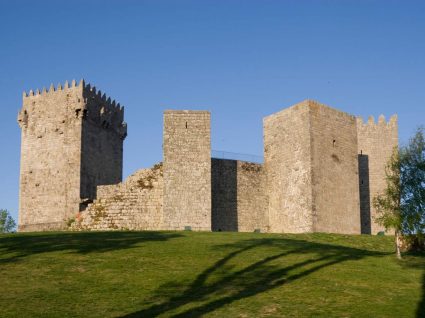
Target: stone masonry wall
[
  {"x": 239, "y": 200},
  {"x": 322, "y": 169},
  {"x": 376, "y": 142},
  {"x": 334, "y": 170},
  {"x": 287, "y": 156},
  {"x": 67, "y": 149},
  {"x": 135, "y": 204},
  {"x": 103, "y": 132},
  {"x": 187, "y": 170},
  {"x": 50, "y": 158}
]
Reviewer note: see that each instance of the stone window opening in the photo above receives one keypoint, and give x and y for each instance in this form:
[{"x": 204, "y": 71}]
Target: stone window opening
[
  {"x": 186, "y": 125},
  {"x": 361, "y": 152},
  {"x": 362, "y": 181},
  {"x": 77, "y": 113},
  {"x": 334, "y": 143}
]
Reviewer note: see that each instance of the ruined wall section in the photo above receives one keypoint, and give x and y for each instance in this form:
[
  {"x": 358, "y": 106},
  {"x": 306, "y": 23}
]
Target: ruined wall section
[
  {"x": 187, "y": 170},
  {"x": 334, "y": 170},
  {"x": 376, "y": 142},
  {"x": 50, "y": 157},
  {"x": 103, "y": 133},
  {"x": 287, "y": 155},
  {"x": 135, "y": 204},
  {"x": 239, "y": 199}
]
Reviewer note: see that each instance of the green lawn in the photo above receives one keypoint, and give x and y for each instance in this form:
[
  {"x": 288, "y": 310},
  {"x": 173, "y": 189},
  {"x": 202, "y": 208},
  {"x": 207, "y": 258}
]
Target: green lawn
[{"x": 188, "y": 274}]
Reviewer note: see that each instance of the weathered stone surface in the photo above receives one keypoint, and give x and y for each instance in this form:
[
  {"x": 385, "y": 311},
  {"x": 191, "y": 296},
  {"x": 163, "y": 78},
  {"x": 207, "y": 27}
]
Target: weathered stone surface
[
  {"x": 334, "y": 170},
  {"x": 187, "y": 170},
  {"x": 239, "y": 199},
  {"x": 135, "y": 204},
  {"x": 71, "y": 142},
  {"x": 376, "y": 142},
  {"x": 287, "y": 161},
  {"x": 313, "y": 157},
  {"x": 322, "y": 168}
]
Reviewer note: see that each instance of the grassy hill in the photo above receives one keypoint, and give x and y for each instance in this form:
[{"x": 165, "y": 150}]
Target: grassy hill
[{"x": 187, "y": 274}]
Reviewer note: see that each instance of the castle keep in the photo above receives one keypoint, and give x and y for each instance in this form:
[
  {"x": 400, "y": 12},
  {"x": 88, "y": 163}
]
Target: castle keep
[
  {"x": 322, "y": 168},
  {"x": 72, "y": 141}
]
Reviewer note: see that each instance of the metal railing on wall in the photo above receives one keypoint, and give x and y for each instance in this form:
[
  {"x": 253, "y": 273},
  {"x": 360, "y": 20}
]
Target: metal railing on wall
[{"x": 219, "y": 154}]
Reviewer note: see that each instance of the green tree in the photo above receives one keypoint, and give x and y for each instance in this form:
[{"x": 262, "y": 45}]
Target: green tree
[
  {"x": 413, "y": 181},
  {"x": 7, "y": 223},
  {"x": 401, "y": 207},
  {"x": 387, "y": 203}
]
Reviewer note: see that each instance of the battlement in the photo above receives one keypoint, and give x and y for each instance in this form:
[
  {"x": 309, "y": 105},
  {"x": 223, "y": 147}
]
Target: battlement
[
  {"x": 85, "y": 101},
  {"x": 92, "y": 92},
  {"x": 371, "y": 123},
  {"x": 53, "y": 89},
  {"x": 87, "y": 90}
]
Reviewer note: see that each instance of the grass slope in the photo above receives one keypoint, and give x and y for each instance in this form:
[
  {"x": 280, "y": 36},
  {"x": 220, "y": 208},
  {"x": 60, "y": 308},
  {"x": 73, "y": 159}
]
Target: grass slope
[{"x": 187, "y": 274}]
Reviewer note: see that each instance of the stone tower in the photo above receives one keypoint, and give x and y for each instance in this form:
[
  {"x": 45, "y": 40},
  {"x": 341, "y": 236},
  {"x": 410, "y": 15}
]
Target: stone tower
[
  {"x": 376, "y": 142},
  {"x": 71, "y": 141},
  {"x": 310, "y": 153},
  {"x": 187, "y": 170}
]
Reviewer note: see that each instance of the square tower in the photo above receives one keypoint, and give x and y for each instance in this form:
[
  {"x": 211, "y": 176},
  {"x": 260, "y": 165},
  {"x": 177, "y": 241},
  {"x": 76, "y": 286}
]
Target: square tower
[
  {"x": 376, "y": 142},
  {"x": 187, "y": 170},
  {"x": 310, "y": 153},
  {"x": 71, "y": 141}
]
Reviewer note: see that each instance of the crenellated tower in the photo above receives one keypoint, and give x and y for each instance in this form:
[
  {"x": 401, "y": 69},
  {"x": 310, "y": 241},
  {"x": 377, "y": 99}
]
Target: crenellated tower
[
  {"x": 71, "y": 141},
  {"x": 376, "y": 142}
]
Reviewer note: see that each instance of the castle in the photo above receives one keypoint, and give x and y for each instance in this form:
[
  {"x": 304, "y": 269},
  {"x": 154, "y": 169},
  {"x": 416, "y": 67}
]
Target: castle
[{"x": 322, "y": 168}]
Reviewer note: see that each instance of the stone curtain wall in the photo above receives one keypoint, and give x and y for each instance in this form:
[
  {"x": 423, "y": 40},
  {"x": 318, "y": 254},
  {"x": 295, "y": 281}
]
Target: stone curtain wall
[
  {"x": 376, "y": 142},
  {"x": 135, "y": 204},
  {"x": 187, "y": 170},
  {"x": 66, "y": 151},
  {"x": 239, "y": 200},
  {"x": 287, "y": 161},
  {"x": 224, "y": 195},
  {"x": 334, "y": 170}
]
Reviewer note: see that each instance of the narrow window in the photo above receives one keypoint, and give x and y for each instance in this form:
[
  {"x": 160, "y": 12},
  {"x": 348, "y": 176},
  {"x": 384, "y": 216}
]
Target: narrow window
[
  {"x": 186, "y": 125},
  {"x": 362, "y": 181},
  {"x": 334, "y": 142},
  {"x": 361, "y": 152}
]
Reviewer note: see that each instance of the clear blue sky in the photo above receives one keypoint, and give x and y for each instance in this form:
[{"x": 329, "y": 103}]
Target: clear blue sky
[{"x": 241, "y": 60}]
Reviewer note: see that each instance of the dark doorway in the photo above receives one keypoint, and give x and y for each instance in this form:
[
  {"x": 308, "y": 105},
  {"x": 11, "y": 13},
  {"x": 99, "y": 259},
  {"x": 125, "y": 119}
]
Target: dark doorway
[
  {"x": 224, "y": 184},
  {"x": 365, "y": 217}
]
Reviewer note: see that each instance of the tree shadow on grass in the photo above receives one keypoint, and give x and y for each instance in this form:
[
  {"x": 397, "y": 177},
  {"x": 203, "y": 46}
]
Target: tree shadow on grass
[
  {"x": 222, "y": 284},
  {"x": 416, "y": 260},
  {"x": 15, "y": 247},
  {"x": 420, "y": 312}
]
